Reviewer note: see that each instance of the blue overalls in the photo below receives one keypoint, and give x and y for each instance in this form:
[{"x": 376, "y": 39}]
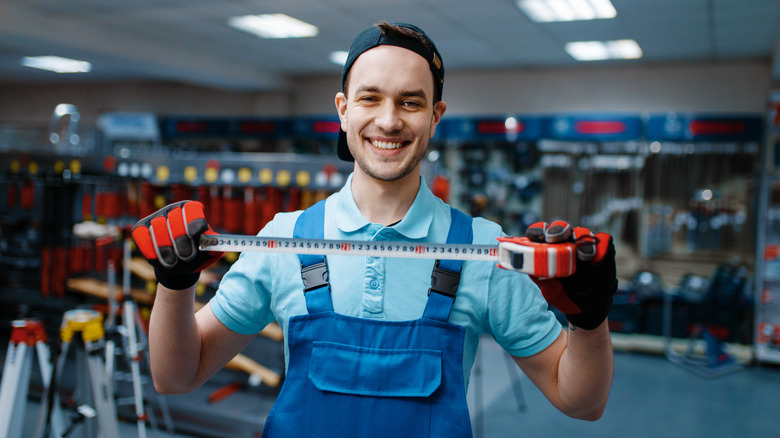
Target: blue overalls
[{"x": 354, "y": 377}]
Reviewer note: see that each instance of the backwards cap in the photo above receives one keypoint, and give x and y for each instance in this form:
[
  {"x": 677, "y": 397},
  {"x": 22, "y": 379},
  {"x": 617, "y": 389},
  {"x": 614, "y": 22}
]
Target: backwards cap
[{"x": 373, "y": 37}]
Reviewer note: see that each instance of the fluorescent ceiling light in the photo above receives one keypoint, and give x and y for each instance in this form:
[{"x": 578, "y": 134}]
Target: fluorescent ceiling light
[
  {"x": 338, "y": 57},
  {"x": 599, "y": 51},
  {"x": 273, "y": 26},
  {"x": 57, "y": 64},
  {"x": 587, "y": 50},
  {"x": 624, "y": 49},
  {"x": 545, "y": 11}
]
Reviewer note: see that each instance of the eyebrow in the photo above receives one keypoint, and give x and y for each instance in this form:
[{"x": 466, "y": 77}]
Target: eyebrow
[
  {"x": 414, "y": 93},
  {"x": 405, "y": 93}
]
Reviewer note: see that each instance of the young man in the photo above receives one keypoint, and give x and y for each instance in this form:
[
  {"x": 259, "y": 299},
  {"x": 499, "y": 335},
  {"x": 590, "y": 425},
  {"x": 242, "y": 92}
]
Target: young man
[{"x": 380, "y": 346}]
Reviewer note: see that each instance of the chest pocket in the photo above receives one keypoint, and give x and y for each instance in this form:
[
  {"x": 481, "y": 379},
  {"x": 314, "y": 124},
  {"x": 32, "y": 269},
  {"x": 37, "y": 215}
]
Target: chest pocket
[{"x": 375, "y": 372}]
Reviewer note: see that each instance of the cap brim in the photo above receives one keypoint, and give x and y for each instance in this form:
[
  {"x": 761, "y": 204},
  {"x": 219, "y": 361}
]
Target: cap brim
[{"x": 342, "y": 148}]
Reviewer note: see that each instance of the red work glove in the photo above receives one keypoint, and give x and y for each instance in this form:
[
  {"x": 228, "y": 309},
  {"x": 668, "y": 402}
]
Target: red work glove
[
  {"x": 586, "y": 296},
  {"x": 168, "y": 239}
]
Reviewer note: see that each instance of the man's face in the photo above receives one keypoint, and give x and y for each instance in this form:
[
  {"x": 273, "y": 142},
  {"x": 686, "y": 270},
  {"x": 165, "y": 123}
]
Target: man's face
[{"x": 389, "y": 115}]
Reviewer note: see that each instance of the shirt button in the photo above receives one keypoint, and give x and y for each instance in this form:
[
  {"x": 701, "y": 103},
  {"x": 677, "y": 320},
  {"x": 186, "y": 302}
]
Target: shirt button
[{"x": 374, "y": 284}]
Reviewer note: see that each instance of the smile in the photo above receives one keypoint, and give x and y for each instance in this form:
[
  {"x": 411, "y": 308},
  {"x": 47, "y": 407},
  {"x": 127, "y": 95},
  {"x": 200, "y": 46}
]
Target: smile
[{"x": 386, "y": 145}]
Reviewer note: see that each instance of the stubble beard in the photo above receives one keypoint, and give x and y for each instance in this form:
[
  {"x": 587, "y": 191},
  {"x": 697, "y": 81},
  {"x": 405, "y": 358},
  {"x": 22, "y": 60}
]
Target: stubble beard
[{"x": 376, "y": 172}]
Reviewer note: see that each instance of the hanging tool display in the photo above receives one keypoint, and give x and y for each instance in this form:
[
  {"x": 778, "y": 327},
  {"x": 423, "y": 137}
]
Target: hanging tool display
[
  {"x": 766, "y": 291},
  {"x": 698, "y": 198},
  {"x": 57, "y": 221},
  {"x": 493, "y": 165}
]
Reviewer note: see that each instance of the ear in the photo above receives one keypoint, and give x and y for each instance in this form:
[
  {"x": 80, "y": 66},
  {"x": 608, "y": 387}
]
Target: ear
[
  {"x": 438, "y": 112},
  {"x": 341, "y": 108}
]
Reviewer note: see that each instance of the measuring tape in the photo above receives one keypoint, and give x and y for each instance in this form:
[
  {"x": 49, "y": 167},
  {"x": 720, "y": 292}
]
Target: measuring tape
[{"x": 514, "y": 253}]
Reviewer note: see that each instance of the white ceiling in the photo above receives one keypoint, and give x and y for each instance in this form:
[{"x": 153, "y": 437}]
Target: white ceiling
[{"x": 188, "y": 40}]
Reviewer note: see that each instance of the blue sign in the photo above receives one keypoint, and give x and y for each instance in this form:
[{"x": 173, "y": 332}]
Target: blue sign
[
  {"x": 592, "y": 127},
  {"x": 688, "y": 127},
  {"x": 323, "y": 127},
  {"x": 495, "y": 128}
]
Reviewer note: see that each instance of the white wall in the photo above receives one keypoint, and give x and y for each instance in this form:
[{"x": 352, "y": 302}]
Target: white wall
[
  {"x": 706, "y": 87},
  {"x": 742, "y": 86},
  {"x": 34, "y": 103}
]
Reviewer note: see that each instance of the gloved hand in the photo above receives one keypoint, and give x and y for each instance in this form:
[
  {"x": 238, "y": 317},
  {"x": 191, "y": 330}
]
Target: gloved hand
[
  {"x": 168, "y": 239},
  {"x": 586, "y": 296}
]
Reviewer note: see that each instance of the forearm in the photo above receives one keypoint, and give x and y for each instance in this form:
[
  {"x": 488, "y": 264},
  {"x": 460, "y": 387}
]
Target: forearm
[
  {"x": 174, "y": 341},
  {"x": 585, "y": 372}
]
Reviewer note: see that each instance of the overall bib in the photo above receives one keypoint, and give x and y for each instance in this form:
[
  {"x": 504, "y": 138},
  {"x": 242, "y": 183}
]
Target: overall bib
[{"x": 354, "y": 377}]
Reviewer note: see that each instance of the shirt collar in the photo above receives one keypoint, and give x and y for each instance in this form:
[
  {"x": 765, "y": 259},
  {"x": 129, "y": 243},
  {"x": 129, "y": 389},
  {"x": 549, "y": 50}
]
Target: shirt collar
[{"x": 415, "y": 224}]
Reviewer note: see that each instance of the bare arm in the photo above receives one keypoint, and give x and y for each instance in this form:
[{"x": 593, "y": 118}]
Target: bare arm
[
  {"x": 185, "y": 348},
  {"x": 575, "y": 372}
]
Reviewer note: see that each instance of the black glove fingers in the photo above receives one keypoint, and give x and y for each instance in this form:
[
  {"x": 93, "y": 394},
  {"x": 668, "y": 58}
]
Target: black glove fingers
[
  {"x": 163, "y": 243},
  {"x": 183, "y": 245},
  {"x": 197, "y": 227},
  {"x": 535, "y": 231},
  {"x": 194, "y": 216},
  {"x": 585, "y": 241},
  {"x": 185, "y": 248},
  {"x": 557, "y": 232}
]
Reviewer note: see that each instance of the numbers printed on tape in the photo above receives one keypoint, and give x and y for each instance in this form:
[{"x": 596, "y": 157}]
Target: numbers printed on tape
[
  {"x": 518, "y": 254},
  {"x": 233, "y": 243}
]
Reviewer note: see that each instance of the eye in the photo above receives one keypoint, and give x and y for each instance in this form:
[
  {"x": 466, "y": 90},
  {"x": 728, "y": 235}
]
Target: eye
[{"x": 411, "y": 104}]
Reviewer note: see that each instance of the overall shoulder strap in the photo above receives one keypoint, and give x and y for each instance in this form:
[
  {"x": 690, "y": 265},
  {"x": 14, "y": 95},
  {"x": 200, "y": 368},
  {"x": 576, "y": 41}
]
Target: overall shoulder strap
[
  {"x": 314, "y": 269},
  {"x": 446, "y": 273}
]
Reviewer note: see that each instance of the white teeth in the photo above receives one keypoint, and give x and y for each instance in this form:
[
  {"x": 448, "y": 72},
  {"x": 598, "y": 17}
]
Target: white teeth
[{"x": 386, "y": 144}]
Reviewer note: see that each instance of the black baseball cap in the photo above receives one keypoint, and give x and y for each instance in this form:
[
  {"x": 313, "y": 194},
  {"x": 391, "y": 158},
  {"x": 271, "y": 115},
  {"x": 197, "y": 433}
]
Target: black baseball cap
[{"x": 374, "y": 36}]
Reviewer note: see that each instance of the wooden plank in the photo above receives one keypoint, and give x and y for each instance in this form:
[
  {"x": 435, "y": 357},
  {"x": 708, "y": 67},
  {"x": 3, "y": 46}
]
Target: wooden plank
[
  {"x": 253, "y": 368},
  {"x": 99, "y": 289}
]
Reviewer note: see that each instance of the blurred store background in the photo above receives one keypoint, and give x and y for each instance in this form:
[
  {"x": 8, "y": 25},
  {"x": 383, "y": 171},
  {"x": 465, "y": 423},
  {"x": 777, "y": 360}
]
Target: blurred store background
[{"x": 656, "y": 121}]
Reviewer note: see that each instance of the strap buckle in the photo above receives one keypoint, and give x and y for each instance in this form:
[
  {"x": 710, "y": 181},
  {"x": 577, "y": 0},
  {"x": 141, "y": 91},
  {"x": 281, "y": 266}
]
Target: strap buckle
[
  {"x": 444, "y": 281},
  {"x": 314, "y": 276}
]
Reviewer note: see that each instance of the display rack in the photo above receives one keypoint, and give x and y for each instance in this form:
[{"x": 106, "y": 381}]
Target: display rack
[
  {"x": 676, "y": 190},
  {"x": 160, "y": 167},
  {"x": 767, "y": 274}
]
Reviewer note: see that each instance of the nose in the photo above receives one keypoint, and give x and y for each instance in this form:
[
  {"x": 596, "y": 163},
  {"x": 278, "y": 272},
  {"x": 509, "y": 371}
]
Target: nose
[{"x": 388, "y": 118}]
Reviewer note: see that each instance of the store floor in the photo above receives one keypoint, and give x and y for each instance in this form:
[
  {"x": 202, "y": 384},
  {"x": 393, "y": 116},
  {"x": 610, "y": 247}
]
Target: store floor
[{"x": 650, "y": 397}]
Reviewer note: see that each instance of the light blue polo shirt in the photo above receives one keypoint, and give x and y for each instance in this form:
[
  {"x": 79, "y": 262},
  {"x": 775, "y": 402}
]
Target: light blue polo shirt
[{"x": 263, "y": 287}]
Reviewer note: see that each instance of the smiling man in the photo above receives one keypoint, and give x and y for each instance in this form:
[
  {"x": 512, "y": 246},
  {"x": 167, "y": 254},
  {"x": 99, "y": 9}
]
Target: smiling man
[
  {"x": 382, "y": 347},
  {"x": 389, "y": 110},
  {"x": 392, "y": 115}
]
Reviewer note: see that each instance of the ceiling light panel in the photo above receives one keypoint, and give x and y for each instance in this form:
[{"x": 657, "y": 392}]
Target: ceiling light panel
[
  {"x": 546, "y": 11},
  {"x": 273, "y": 26},
  {"x": 338, "y": 57},
  {"x": 587, "y": 50},
  {"x": 603, "y": 50},
  {"x": 57, "y": 64},
  {"x": 624, "y": 49}
]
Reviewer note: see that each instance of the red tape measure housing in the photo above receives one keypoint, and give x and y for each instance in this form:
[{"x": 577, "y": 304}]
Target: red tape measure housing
[{"x": 542, "y": 260}]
